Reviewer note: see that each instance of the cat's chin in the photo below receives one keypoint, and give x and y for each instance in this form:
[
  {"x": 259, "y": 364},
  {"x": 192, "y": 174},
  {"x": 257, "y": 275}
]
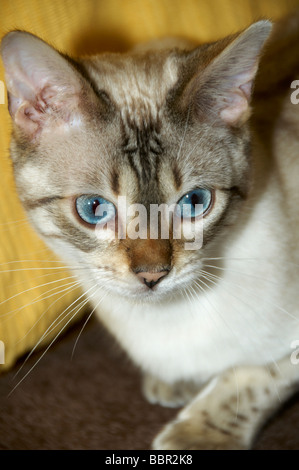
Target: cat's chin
[
  {"x": 142, "y": 297},
  {"x": 145, "y": 296}
]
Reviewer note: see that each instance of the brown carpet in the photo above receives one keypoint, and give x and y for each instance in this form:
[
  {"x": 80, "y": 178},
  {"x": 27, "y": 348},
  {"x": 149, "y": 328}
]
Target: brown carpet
[{"x": 93, "y": 401}]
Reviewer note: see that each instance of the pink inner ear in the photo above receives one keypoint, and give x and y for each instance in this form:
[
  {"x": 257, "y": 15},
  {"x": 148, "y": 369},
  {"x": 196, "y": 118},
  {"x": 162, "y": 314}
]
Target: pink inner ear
[
  {"x": 26, "y": 117},
  {"x": 247, "y": 89},
  {"x": 48, "y": 108},
  {"x": 236, "y": 111},
  {"x": 29, "y": 114},
  {"x": 236, "y": 108},
  {"x": 46, "y": 111},
  {"x": 44, "y": 89}
]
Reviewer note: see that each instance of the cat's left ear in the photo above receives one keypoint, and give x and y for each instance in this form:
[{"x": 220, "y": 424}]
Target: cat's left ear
[
  {"x": 43, "y": 86},
  {"x": 224, "y": 87}
]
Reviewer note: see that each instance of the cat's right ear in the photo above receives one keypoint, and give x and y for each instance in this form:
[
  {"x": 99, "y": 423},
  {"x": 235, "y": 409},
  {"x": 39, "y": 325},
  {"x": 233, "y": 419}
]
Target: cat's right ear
[
  {"x": 221, "y": 88},
  {"x": 43, "y": 87}
]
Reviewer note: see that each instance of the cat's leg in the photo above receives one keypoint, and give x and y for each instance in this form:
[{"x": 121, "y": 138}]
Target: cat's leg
[
  {"x": 231, "y": 408},
  {"x": 170, "y": 395}
]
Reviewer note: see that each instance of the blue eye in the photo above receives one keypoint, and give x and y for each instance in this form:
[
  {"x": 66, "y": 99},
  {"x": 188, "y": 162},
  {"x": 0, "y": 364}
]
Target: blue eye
[
  {"x": 188, "y": 203},
  {"x": 95, "y": 209}
]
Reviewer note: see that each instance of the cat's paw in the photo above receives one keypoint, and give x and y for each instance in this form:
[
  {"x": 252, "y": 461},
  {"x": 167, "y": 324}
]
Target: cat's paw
[
  {"x": 169, "y": 395},
  {"x": 184, "y": 435}
]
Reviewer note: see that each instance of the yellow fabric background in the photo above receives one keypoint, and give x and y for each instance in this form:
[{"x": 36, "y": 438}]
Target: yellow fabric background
[{"x": 79, "y": 27}]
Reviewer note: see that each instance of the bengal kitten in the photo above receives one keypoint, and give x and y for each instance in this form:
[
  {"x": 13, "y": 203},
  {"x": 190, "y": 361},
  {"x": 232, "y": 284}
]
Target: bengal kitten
[{"x": 208, "y": 309}]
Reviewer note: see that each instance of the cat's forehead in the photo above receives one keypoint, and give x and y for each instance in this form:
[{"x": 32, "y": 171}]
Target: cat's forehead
[{"x": 138, "y": 84}]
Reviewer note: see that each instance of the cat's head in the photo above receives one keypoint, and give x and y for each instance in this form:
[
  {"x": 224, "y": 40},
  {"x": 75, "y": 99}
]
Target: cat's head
[{"x": 93, "y": 137}]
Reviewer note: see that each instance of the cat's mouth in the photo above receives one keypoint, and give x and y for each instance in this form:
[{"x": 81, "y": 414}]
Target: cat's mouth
[
  {"x": 146, "y": 289},
  {"x": 149, "y": 290},
  {"x": 147, "y": 286},
  {"x": 146, "y": 294},
  {"x": 155, "y": 289}
]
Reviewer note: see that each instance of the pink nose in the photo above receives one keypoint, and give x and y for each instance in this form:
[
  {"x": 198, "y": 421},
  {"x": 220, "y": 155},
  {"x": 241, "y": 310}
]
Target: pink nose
[{"x": 151, "y": 279}]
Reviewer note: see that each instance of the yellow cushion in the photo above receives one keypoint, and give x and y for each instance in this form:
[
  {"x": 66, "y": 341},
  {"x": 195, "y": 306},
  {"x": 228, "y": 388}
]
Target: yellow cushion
[{"x": 33, "y": 288}]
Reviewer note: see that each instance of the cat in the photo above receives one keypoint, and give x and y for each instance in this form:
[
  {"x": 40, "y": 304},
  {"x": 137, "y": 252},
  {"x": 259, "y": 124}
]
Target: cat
[{"x": 209, "y": 128}]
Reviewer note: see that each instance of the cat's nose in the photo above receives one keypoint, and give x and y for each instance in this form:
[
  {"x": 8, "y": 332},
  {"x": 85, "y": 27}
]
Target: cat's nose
[{"x": 150, "y": 279}]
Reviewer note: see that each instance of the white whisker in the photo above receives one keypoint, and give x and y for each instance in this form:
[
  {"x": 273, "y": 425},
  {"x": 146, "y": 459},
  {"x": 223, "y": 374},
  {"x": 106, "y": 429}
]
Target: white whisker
[
  {"x": 48, "y": 331},
  {"x": 252, "y": 293},
  {"x": 185, "y": 131},
  {"x": 85, "y": 323},
  {"x": 258, "y": 278},
  {"x": 72, "y": 287},
  {"x": 217, "y": 311},
  {"x": 258, "y": 260},
  {"x": 31, "y": 289}
]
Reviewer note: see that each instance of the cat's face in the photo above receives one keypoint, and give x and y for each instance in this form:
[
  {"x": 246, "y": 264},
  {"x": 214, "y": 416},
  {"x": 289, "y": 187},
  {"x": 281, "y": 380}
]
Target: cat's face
[{"x": 149, "y": 129}]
